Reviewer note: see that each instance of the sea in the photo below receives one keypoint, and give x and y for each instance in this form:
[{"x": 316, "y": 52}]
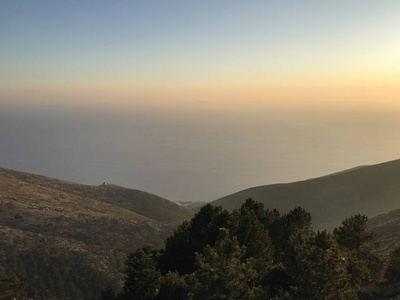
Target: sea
[{"x": 195, "y": 151}]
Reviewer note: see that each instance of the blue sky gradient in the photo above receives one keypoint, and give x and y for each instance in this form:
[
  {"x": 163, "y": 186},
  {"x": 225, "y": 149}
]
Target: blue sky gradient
[{"x": 186, "y": 43}]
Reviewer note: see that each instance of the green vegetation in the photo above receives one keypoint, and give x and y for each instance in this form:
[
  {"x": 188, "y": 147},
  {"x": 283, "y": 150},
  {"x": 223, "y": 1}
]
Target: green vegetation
[
  {"x": 51, "y": 273},
  {"x": 257, "y": 253},
  {"x": 60, "y": 240}
]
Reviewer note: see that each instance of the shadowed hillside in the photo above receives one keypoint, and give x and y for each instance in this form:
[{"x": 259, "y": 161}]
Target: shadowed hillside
[
  {"x": 387, "y": 229},
  {"x": 367, "y": 190},
  {"x": 58, "y": 223}
]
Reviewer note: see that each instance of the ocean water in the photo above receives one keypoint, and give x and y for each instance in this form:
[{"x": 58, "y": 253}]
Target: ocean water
[{"x": 195, "y": 151}]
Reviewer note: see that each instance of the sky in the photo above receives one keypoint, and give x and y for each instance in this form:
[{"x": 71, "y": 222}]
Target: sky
[
  {"x": 193, "y": 100},
  {"x": 140, "y": 49}
]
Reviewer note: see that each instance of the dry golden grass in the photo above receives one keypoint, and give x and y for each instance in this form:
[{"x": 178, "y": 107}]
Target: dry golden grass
[{"x": 103, "y": 222}]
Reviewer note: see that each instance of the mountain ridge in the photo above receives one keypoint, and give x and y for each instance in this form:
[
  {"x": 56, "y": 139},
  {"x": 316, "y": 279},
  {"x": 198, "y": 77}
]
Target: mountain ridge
[
  {"x": 140, "y": 202},
  {"x": 369, "y": 189},
  {"x": 59, "y": 222}
]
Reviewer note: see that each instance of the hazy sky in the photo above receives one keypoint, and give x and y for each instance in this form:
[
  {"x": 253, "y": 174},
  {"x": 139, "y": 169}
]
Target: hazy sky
[
  {"x": 137, "y": 50},
  {"x": 194, "y": 100}
]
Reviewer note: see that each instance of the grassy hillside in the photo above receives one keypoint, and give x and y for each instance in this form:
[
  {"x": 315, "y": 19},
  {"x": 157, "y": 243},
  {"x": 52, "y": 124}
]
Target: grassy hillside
[
  {"x": 143, "y": 203},
  {"x": 368, "y": 190},
  {"x": 387, "y": 229},
  {"x": 67, "y": 222}
]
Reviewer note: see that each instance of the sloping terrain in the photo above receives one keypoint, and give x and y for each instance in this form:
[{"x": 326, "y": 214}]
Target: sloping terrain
[
  {"x": 193, "y": 206},
  {"x": 369, "y": 190},
  {"x": 387, "y": 229},
  {"x": 143, "y": 203},
  {"x": 91, "y": 228}
]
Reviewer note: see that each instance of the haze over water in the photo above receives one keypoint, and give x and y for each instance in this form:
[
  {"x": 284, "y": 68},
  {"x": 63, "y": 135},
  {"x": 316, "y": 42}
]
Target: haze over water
[
  {"x": 196, "y": 100},
  {"x": 196, "y": 151}
]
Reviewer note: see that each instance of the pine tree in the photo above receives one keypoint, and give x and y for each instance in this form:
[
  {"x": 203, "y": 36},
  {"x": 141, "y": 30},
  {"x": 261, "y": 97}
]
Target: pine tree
[
  {"x": 295, "y": 223},
  {"x": 173, "y": 287},
  {"x": 354, "y": 234},
  {"x": 393, "y": 271},
  {"x": 319, "y": 270},
  {"x": 364, "y": 265},
  {"x": 193, "y": 237},
  {"x": 142, "y": 281},
  {"x": 221, "y": 273},
  {"x": 251, "y": 232}
]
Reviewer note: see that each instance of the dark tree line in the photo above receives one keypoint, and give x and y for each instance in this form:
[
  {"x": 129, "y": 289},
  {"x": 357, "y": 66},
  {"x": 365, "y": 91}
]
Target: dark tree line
[
  {"x": 50, "y": 274},
  {"x": 250, "y": 253},
  {"x": 256, "y": 253}
]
